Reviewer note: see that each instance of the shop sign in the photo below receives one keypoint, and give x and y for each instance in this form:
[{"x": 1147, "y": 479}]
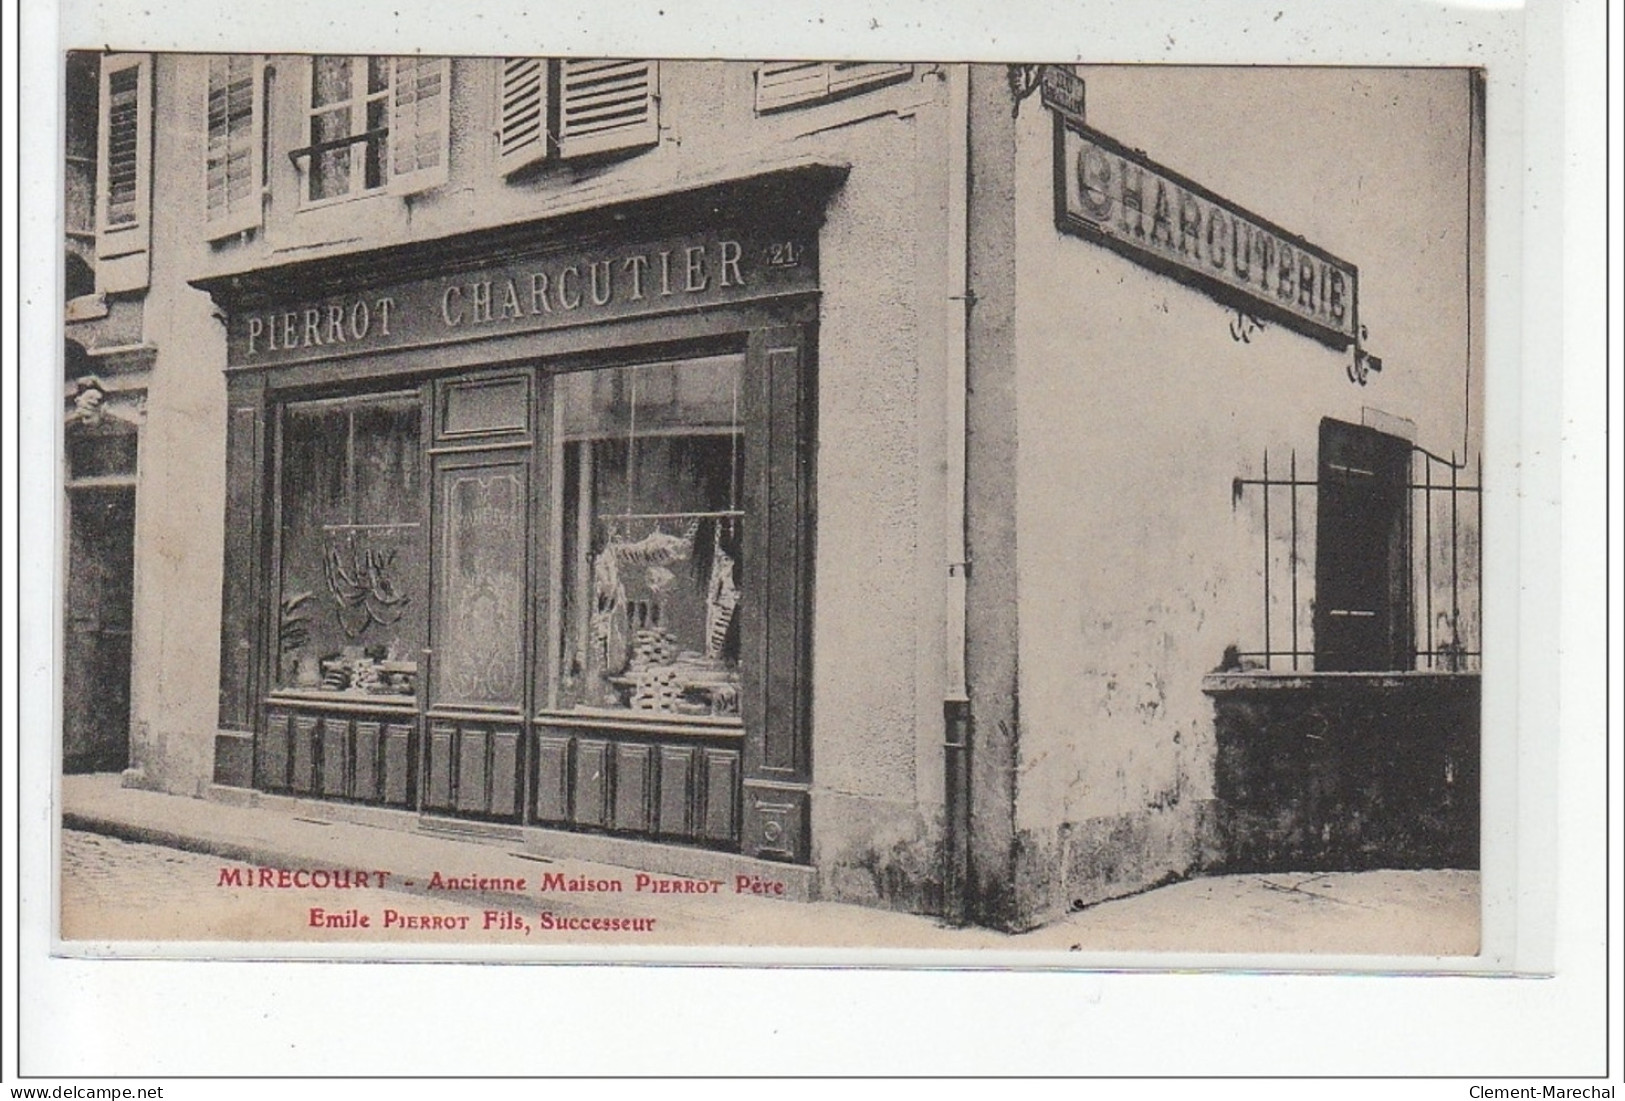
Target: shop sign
[
  {"x": 527, "y": 295},
  {"x": 1118, "y": 197},
  {"x": 1062, "y": 91}
]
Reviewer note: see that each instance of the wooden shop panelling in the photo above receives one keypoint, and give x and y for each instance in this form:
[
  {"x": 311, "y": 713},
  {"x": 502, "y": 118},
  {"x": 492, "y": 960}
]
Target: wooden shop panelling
[
  {"x": 303, "y": 780},
  {"x": 397, "y": 764},
  {"x": 634, "y": 787},
  {"x": 273, "y": 751},
  {"x": 437, "y": 792},
  {"x": 659, "y": 789},
  {"x": 504, "y": 772},
  {"x": 677, "y": 791},
  {"x": 553, "y": 778},
  {"x": 484, "y": 406},
  {"x": 368, "y": 746},
  {"x": 241, "y": 602},
  {"x": 721, "y": 771},
  {"x": 775, "y": 823},
  {"x": 334, "y": 757},
  {"x": 471, "y": 794},
  {"x": 591, "y": 782}
]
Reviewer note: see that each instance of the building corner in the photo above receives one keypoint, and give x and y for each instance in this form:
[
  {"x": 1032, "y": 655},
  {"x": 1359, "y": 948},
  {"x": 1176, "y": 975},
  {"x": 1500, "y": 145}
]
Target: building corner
[{"x": 991, "y": 894}]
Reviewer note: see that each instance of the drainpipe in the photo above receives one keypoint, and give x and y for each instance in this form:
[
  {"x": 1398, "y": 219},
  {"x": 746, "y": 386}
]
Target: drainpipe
[{"x": 956, "y": 697}]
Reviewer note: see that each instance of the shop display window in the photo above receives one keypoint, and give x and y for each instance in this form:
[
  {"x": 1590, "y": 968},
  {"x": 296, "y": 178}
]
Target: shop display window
[
  {"x": 352, "y": 579},
  {"x": 649, "y": 476}
]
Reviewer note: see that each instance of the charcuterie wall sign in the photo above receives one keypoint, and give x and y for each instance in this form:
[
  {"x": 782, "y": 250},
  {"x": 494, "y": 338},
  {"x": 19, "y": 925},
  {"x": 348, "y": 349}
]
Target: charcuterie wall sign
[{"x": 1116, "y": 196}]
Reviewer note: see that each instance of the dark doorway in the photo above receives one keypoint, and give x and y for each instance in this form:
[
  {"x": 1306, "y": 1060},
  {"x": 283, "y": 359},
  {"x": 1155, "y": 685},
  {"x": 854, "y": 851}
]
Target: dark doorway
[
  {"x": 97, "y": 613},
  {"x": 1362, "y": 548}
]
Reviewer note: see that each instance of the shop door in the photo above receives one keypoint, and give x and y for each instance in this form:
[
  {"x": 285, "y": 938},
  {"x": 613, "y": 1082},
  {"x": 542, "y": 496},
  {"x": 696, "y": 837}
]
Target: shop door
[
  {"x": 96, "y": 650},
  {"x": 479, "y": 618}
]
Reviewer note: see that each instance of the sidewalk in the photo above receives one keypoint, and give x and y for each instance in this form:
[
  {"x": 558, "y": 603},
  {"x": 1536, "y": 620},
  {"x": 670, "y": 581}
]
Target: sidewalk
[{"x": 1426, "y": 913}]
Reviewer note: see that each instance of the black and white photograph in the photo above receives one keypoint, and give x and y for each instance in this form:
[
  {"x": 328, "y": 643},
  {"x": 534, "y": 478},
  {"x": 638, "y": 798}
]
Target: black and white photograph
[{"x": 525, "y": 500}]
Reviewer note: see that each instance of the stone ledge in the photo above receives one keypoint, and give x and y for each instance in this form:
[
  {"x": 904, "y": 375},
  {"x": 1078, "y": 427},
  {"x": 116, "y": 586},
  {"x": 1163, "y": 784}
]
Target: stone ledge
[{"x": 1261, "y": 681}]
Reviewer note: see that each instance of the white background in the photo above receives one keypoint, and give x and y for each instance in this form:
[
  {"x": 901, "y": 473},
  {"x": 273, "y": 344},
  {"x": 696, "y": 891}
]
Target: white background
[{"x": 1546, "y": 421}]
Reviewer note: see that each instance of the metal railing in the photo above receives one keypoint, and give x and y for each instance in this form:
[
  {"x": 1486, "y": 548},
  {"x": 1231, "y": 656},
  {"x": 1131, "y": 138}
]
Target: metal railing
[{"x": 1441, "y": 521}]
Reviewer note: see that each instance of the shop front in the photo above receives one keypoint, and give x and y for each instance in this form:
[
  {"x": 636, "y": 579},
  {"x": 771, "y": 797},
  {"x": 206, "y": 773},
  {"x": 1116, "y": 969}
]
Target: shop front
[{"x": 519, "y": 523}]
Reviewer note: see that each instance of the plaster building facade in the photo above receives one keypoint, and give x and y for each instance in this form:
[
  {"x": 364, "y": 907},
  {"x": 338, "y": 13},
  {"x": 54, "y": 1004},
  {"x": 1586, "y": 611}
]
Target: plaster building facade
[
  {"x": 880, "y": 473},
  {"x": 108, "y": 370}
]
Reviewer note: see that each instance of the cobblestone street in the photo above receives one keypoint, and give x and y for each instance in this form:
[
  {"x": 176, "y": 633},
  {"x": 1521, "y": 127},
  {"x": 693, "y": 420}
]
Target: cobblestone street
[
  {"x": 122, "y": 890},
  {"x": 130, "y": 891},
  {"x": 116, "y": 886}
]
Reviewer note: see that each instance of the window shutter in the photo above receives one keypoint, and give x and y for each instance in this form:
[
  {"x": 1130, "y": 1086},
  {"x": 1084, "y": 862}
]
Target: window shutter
[
  {"x": 606, "y": 105},
  {"x": 1362, "y": 550},
  {"x": 849, "y": 76},
  {"x": 124, "y": 173},
  {"x": 232, "y": 163},
  {"x": 784, "y": 83},
  {"x": 419, "y": 123},
  {"x": 521, "y": 113}
]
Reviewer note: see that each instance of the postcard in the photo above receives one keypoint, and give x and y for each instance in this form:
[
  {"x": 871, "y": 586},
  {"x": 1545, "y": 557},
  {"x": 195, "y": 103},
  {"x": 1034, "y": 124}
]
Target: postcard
[
  {"x": 916, "y": 527},
  {"x": 527, "y": 502}
]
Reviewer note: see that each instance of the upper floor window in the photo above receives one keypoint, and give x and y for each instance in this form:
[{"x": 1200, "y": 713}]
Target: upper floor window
[
  {"x": 82, "y": 106},
  {"x": 124, "y": 172},
  {"x": 349, "y": 126},
  {"x": 375, "y": 123},
  {"x": 781, "y": 84},
  {"x": 123, "y": 100},
  {"x": 574, "y": 108},
  {"x": 233, "y": 160}
]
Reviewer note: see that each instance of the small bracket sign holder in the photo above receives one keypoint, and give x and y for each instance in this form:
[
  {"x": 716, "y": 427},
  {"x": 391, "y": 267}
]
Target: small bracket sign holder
[
  {"x": 1057, "y": 85},
  {"x": 1062, "y": 91}
]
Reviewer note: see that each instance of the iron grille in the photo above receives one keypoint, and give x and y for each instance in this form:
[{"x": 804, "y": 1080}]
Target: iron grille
[{"x": 1439, "y": 606}]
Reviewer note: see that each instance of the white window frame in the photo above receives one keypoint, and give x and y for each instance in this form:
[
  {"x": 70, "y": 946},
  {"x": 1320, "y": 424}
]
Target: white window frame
[
  {"x": 248, "y": 213},
  {"x": 357, "y": 105},
  {"x": 398, "y": 177}
]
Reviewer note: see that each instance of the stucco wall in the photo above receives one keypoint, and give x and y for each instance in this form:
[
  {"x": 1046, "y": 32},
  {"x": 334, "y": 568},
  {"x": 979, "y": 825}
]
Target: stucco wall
[
  {"x": 877, "y": 608},
  {"x": 1138, "y": 567},
  {"x": 179, "y": 534}
]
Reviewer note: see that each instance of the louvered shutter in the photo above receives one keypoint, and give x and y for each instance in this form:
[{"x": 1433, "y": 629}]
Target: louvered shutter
[
  {"x": 849, "y": 76},
  {"x": 606, "y": 105},
  {"x": 419, "y": 123},
  {"x": 124, "y": 173},
  {"x": 785, "y": 83},
  {"x": 235, "y": 110},
  {"x": 521, "y": 113}
]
